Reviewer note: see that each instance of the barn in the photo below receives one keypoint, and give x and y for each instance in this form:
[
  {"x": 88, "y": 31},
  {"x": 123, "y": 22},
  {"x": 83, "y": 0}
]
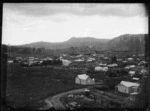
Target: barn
[
  {"x": 127, "y": 87},
  {"x": 84, "y": 79}
]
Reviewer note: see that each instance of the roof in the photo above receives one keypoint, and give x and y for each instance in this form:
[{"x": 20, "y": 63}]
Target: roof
[
  {"x": 129, "y": 84},
  {"x": 79, "y": 60},
  {"x": 83, "y": 76},
  {"x": 131, "y": 72},
  {"x": 130, "y": 58},
  {"x": 134, "y": 78}
]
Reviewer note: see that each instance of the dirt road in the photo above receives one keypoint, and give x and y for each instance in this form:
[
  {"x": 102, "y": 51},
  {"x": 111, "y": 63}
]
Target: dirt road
[{"x": 55, "y": 102}]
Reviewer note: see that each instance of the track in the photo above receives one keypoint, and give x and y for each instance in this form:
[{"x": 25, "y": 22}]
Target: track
[{"x": 55, "y": 102}]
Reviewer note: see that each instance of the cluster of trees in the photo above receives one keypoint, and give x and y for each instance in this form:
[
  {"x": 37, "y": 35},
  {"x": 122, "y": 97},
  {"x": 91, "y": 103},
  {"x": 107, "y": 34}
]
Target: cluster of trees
[
  {"x": 116, "y": 73},
  {"x": 52, "y": 62}
]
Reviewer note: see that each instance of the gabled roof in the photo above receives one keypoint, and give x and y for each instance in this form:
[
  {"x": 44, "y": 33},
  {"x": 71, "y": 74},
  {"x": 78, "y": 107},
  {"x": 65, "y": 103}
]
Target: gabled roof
[
  {"x": 129, "y": 84},
  {"x": 83, "y": 76}
]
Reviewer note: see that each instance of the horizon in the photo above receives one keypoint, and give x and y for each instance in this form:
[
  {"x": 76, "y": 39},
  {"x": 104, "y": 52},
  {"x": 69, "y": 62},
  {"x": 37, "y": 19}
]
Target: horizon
[
  {"x": 69, "y": 39},
  {"x": 57, "y": 22}
]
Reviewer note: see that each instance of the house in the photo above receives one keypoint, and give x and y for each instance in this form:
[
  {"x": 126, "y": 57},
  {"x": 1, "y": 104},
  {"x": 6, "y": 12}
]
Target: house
[
  {"x": 101, "y": 64},
  {"x": 65, "y": 62},
  {"x": 129, "y": 59},
  {"x": 105, "y": 68},
  {"x": 124, "y": 61},
  {"x": 135, "y": 79},
  {"x": 131, "y": 73},
  {"x": 112, "y": 65},
  {"x": 90, "y": 59},
  {"x": 132, "y": 67},
  {"x": 119, "y": 60},
  {"x": 98, "y": 68},
  {"x": 10, "y": 61},
  {"x": 127, "y": 87},
  {"x": 79, "y": 60},
  {"x": 84, "y": 79}
]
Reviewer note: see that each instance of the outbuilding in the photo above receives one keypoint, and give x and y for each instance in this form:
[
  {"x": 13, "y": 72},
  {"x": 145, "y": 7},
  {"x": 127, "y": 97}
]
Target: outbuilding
[
  {"x": 65, "y": 62},
  {"x": 128, "y": 87},
  {"x": 131, "y": 73},
  {"x": 84, "y": 79}
]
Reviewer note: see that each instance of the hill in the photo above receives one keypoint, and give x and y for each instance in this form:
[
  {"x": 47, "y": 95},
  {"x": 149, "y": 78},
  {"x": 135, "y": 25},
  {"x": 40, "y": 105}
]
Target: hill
[
  {"x": 132, "y": 42},
  {"x": 128, "y": 42},
  {"x": 72, "y": 42}
]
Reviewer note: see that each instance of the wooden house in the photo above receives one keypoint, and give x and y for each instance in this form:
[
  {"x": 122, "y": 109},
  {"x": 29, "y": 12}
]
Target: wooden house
[
  {"x": 127, "y": 87},
  {"x": 84, "y": 79}
]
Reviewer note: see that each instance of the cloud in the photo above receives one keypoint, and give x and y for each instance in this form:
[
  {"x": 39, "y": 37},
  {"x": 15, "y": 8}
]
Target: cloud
[{"x": 80, "y": 9}]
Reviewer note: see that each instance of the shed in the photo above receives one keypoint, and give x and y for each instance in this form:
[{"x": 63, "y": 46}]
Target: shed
[{"x": 127, "y": 87}]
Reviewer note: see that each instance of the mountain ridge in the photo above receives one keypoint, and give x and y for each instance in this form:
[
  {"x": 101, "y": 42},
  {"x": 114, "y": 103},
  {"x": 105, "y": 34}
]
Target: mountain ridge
[{"x": 122, "y": 42}]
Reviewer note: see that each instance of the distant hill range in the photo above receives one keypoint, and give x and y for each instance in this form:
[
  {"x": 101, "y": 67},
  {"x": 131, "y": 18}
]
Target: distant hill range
[
  {"x": 126, "y": 42},
  {"x": 72, "y": 42},
  {"x": 123, "y": 42}
]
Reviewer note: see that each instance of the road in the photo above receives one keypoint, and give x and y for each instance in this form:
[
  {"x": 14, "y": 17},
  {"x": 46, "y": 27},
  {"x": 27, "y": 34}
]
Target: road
[{"x": 55, "y": 102}]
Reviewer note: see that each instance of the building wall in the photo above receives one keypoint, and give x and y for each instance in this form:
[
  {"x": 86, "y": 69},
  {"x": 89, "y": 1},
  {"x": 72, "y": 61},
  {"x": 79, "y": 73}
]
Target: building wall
[
  {"x": 83, "y": 81},
  {"x": 90, "y": 81},
  {"x": 77, "y": 80},
  {"x": 123, "y": 89}
]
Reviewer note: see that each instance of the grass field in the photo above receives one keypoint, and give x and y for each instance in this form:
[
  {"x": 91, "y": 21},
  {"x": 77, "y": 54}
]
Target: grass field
[{"x": 27, "y": 86}]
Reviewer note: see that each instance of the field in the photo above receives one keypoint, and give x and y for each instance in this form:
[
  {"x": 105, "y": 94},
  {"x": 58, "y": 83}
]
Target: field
[{"x": 28, "y": 87}]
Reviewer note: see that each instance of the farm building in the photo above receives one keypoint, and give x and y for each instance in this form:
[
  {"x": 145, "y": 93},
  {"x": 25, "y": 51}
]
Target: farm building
[
  {"x": 84, "y": 79},
  {"x": 127, "y": 87}
]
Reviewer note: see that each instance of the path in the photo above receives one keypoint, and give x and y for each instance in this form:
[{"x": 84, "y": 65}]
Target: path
[{"x": 55, "y": 102}]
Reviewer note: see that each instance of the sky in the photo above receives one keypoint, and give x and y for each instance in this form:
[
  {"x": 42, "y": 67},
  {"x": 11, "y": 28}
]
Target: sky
[{"x": 57, "y": 22}]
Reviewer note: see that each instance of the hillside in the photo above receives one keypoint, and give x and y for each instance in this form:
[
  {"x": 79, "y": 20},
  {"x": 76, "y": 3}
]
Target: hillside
[
  {"x": 72, "y": 42},
  {"x": 128, "y": 42},
  {"x": 132, "y": 42}
]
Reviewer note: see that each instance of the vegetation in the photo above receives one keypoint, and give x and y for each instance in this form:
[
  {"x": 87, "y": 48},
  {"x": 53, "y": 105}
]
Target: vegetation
[{"x": 27, "y": 86}]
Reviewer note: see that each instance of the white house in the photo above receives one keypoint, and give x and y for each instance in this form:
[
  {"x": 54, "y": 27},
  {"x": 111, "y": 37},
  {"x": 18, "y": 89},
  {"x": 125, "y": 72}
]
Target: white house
[
  {"x": 98, "y": 68},
  {"x": 131, "y": 73},
  {"x": 84, "y": 79},
  {"x": 79, "y": 60},
  {"x": 135, "y": 79},
  {"x": 90, "y": 59},
  {"x": 10, "y": 61},
  {"x": 130, "y": 59},
  {"x": 124, "y": 61},
  {"x": 101, "y": 64},
  {"x": 65, "y": 62},
  {"x": 128, "y": 87},
  {"x": 119, "y": 60},
  {"x": 79, "y": 55},
  {"x": 112, "y": 65},
  {"x": 105, "y": 68},
  {"x": 132, "y": 67}
]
